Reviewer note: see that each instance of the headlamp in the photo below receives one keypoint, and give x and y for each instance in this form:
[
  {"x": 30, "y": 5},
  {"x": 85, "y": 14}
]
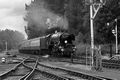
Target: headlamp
[
  {"x": 65, "y": 41},
  {"x": 62, "y": 49}
]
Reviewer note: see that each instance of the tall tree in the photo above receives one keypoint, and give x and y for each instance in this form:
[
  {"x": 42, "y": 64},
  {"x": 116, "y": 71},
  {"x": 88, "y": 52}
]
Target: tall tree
[{"x": 107, "y": 14}]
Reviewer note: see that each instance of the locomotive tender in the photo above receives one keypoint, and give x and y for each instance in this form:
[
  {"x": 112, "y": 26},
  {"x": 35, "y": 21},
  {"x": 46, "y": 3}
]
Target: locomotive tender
[{"x": 58, "y": 44}]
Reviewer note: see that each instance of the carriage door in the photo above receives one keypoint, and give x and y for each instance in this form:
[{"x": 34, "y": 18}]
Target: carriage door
[{"x": 43, "y": 43}]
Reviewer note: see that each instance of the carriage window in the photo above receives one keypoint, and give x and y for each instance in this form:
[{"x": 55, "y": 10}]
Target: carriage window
[{"x": 35, "y": 43}]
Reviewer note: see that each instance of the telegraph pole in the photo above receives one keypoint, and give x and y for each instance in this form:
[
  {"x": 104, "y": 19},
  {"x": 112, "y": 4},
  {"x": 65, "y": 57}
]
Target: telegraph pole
[{"x": 6, "y": 46}]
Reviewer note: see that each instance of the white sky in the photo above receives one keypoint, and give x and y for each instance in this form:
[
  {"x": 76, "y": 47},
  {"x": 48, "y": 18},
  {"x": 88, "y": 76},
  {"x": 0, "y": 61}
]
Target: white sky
[{"x": 12, "y": 13}]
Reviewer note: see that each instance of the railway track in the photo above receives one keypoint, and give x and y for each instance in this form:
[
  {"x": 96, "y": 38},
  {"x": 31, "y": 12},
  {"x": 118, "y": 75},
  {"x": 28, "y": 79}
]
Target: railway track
[
  {"x": 111, "y": 64},
  {"x": 18, "y": 72},
  {"x": 21, "y": 71},
  {"x": 31, "y": 69},
  {"x": 28, "y": 70},
  {"x": 57, "y": 73},
  {"x": 112, "y": 61},
  {"x": 70, "y": 73},
  {"x": 49, "y": 73},
  {"x": 36, "y": 70}
]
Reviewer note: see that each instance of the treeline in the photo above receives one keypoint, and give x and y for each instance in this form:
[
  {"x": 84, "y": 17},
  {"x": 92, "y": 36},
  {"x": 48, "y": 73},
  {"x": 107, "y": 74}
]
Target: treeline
[
  {"x": 78, "y": 17},
  {"x": 13, "y": 38}
]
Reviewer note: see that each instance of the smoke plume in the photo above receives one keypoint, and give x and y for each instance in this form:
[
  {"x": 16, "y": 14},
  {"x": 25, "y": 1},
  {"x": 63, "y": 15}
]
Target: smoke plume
[{"x": 40, "y": 18}]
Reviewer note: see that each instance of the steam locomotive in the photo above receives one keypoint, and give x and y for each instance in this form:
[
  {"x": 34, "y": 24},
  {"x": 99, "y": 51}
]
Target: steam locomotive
[{"x": 57, "y": 44}]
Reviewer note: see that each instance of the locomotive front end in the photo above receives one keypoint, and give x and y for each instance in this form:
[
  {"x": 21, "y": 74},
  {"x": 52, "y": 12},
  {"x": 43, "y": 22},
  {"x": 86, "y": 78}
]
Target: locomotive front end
[{"x": 67, "y": 46}]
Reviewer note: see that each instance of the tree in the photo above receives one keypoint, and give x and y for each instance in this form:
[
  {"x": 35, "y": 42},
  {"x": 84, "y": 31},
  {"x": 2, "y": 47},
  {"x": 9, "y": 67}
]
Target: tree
[
  {"x": 107, "y": 14},
  {"x": 79, "y": 38},
  {"x": 13, "y": 38}
]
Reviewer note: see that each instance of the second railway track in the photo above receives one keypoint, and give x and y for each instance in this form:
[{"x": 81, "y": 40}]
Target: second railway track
[{"x": 110, "y": 64}]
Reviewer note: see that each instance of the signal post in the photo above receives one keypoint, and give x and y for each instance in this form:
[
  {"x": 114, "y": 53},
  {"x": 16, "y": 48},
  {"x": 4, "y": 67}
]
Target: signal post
[
  {"x": 115, "y": 32},
  {"x": 95, "y": 5}
]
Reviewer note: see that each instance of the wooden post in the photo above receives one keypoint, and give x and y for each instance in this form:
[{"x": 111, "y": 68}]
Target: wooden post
[
  {"x": 72, "y": 57},
  {"x": 110, "y": 50}
]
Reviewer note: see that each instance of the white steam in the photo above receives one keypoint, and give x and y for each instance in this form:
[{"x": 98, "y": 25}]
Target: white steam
[{"x": 43, "y": 18}]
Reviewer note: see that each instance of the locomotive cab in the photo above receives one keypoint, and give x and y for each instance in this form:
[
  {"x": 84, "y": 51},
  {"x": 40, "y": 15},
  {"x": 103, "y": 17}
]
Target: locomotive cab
[{"x": 54, "y": 42}]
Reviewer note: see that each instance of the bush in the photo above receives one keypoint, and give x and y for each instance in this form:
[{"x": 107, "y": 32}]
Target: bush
[{"x": 81, "y": 49}]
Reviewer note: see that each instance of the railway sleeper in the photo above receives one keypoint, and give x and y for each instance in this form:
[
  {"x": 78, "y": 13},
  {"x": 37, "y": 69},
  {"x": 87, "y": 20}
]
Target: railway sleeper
[
  {"x": 77, "y": 74},
  {"x": 52, "y": 76},
  {"x": 111, "y": 66},
  {"x": 11, "y": 71}
]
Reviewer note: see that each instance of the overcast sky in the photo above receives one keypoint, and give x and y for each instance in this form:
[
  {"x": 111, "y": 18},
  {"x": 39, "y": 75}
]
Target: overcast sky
[{"x": 12, "y": 13}]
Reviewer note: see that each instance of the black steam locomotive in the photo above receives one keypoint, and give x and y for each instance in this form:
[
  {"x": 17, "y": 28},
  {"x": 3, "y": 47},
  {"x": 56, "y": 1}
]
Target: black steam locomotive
[{"x": 57, "y": 44}]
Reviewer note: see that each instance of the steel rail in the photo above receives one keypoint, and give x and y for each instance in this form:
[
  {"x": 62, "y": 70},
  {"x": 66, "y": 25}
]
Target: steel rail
[
  {"x": 50, "y": 75},
  {"x": 11, "y": 71},
  {"x": 31, "y": 69},
  {"x": 111, "y": 64},
  {"x": 4, "y": 75},
  {"x": 77, "y": 74},
  {"x": 32, "y": 72}
]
